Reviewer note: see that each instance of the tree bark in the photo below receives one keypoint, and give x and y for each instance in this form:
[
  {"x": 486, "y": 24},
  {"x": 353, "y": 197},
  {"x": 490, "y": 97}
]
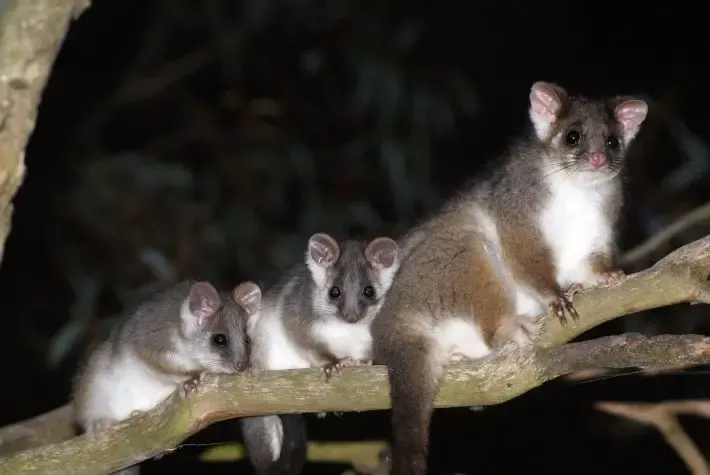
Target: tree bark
[{"x": 31, "y": 33}]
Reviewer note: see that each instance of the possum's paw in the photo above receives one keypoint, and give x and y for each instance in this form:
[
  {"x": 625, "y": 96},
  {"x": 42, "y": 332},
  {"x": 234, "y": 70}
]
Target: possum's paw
[
  {"x": 190, "y": 386},
  {"x": 610, "y": 277},
  {"x": 335, "y": 367},
  {"x": 562, "y": 305},
  {"x": 520, "y": 330}
]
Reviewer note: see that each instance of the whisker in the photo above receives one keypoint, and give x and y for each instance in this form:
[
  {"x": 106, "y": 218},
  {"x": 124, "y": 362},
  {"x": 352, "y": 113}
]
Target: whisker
[{"x": 560, "y": 169}]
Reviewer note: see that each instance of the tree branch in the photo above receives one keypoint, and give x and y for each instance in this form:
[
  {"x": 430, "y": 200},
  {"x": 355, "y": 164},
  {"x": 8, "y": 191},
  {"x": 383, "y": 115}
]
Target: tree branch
[
  {"x": 31, "y": 33},
  {"x": 664, "y": 417},
  {"x": 692, "y": 218},
  {"x": 679, "y": 277}
]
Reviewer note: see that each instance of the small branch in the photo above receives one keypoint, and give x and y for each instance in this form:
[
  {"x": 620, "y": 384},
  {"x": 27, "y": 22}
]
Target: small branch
[
  {"x": 646, "y": 248},
  {"x": 679, "y": 277},
  {"x": 664, "y": 417}
]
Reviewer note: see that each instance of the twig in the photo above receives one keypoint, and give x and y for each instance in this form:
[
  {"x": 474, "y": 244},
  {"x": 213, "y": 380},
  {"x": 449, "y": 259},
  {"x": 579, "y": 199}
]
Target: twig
[
  {"x": 679, "y": 277},
  {"x": 603, "y": 373},
  {"x": 687, "y": 221},
  {"x": 664, "y": 417}
]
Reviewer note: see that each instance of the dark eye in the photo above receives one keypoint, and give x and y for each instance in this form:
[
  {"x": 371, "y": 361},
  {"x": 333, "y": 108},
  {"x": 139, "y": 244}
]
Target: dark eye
[
  {"x": 334, "y": 292},
  {"x": 369, "y": 292},
  {"x": 612, "y": 142},
  {"x": 219, "y": 339},
  {"x": 573, "y": 137}
]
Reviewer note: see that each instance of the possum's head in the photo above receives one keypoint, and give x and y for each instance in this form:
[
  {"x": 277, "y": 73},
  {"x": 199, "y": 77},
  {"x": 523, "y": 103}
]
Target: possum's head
[
  {"x": 584, "y": 138},
  {"x": 215, "y": 326},
  {"x": 351, "y": 279}
]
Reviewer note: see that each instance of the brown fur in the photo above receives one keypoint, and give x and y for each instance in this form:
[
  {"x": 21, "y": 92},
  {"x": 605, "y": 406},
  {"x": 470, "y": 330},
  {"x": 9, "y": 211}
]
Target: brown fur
[
  {"x": 448, "y": 274},
  {"x": 450, "y": 269}
]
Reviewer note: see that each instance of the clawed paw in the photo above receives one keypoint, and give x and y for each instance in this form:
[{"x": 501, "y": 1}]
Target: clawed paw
[
  {"x": 612, "y": 277},
  {"x": 334, "y": 368},
  {"x": 525, "y": 330},
  {"x": 573, "y": 290},
  {"x": 190, "y": 386},
  {"x": 562, "y": 306}
]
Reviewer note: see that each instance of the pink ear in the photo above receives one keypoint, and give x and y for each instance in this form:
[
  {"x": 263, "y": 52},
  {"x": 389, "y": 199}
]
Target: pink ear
[
  {"x": 323, "y": 249},
  {"x": 545, "y": 102},
  {"x": 203, "y": 301},
  {"x": 381, "y": 252},
  {"x": 248, "y": 296},
  {"x": 630, "y": 114}
]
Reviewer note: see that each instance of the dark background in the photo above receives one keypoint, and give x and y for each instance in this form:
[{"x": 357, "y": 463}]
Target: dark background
[{"x": 209, "y": 139}]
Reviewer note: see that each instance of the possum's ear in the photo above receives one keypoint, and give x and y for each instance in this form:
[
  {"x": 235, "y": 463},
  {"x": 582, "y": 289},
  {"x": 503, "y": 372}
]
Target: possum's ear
[
  {"x": 322, "y": 254},
  {"x": 323, "y": 250},
  {"x": 248, "y": 296},
  {"x": 546, "y": 102},
  {"x": 381, "y": 253},
  {"x": 630, "y": 114},
  {"x": 203, "y": 302}
]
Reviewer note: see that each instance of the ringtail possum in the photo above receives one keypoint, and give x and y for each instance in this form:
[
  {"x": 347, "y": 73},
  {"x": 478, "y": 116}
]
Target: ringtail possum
[
  {"x": 319, "y": 315},
  {"x": 537, "y": 228}
]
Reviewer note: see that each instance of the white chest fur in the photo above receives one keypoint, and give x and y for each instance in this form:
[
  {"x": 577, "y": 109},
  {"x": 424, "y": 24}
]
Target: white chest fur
[
  {"x": 575, "y": 225},
  {"x": 345, "y": 340},
  {"x": 272, "y": 347},
  {"x": 124, "y": 385},
  {"x": 275, "y": 349}
]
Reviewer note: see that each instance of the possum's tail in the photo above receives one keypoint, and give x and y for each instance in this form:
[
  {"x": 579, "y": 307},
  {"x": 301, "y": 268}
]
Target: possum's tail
[
  {"x": 414, "y": 370},
  {"x": 276, "y": 445}
]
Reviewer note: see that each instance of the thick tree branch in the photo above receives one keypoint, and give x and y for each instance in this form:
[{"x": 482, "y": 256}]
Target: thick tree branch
[
  {"x": 31, "y": 33},
  {"x": 679, "y": 277}
]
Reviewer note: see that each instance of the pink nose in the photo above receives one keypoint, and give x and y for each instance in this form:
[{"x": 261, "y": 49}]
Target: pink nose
[
  {"x": 598, "y": 160},
  {"x": 352, "y": 317}
]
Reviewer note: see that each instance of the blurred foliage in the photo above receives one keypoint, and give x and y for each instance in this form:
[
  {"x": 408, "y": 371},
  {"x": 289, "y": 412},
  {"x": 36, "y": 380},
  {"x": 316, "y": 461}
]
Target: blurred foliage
[{"x": 240, "y": 116}]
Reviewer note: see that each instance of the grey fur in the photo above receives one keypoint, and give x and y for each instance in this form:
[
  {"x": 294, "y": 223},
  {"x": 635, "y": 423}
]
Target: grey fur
[
  {"x": 149, "y": 330},
  {"x": 302, "y": 302},
  {"x": 450, "y": 268}
]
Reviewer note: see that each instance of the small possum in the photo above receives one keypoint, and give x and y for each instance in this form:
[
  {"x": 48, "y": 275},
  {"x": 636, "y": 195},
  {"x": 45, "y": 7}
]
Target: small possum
[
  {"x": 166, "y": 344},
  {"x": 538, "y": 228},
  {"x": 319, "y": 315}
]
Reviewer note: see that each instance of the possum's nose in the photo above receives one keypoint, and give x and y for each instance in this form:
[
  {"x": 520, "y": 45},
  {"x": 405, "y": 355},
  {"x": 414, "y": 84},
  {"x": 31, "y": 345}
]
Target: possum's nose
[
  {"x": 352, "y": 317},
  {"x": 598, "y": 160}
]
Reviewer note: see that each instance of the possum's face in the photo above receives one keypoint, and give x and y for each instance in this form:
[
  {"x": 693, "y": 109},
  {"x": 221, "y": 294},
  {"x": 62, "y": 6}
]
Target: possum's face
[
  {"x": 219, "y": 339},
  {"x": 584, "y": 138},
  {"x": 350, "y": 282}
]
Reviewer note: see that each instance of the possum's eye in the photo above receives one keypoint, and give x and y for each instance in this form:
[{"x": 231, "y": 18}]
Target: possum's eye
[
  {"x": 573, "y": 137},
  {"x": 369, "y": 292},
  {"x": 219, "y": 339},
  {"x": 612, "y": 142},
  {"x": 334, "y": 292}
]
